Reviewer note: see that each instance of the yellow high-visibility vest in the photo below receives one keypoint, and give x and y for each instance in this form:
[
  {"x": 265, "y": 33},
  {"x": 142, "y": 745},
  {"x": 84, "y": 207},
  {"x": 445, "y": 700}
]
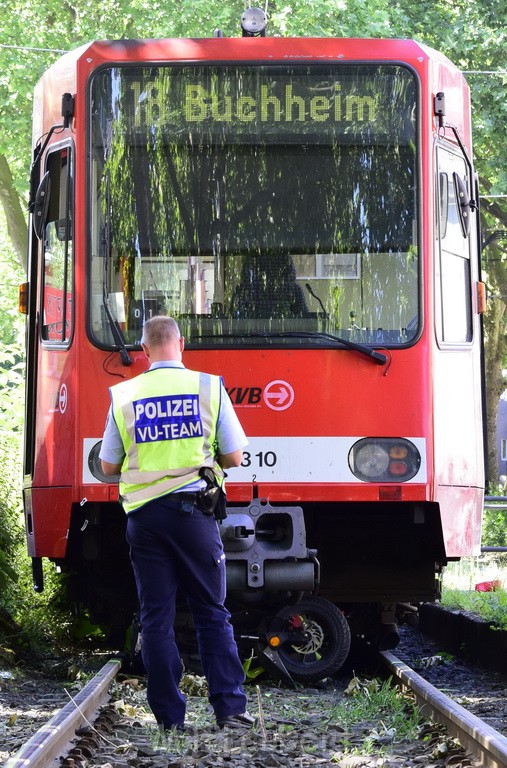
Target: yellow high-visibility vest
[{"x": 167, "y": 420}]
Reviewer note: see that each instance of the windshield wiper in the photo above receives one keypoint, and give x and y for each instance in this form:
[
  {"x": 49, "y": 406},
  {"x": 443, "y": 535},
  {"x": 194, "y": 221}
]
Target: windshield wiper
[
  {"x": 116, "y": 333},
  {"x": 379, "y": 357},
  {"x": 363, "y": 349},
  {"x": 114, "y": 327}
]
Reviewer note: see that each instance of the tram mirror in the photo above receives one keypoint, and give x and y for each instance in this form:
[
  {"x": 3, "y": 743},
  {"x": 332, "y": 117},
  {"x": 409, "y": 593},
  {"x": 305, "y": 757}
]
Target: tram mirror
[
  {"x": 463, "y": 203},
  {"x": 41, "y": 205}
]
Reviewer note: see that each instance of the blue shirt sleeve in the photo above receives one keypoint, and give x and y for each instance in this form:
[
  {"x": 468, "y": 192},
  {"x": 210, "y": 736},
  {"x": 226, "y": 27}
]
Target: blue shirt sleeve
[
  {"x": 230, "y": 434},
  {"x": 111, "y": 449}
]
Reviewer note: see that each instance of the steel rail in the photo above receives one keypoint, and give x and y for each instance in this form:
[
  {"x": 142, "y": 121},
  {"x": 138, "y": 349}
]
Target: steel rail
[
  {"x": 54, "y": 737},
  {"x": 477, "y": 737}
]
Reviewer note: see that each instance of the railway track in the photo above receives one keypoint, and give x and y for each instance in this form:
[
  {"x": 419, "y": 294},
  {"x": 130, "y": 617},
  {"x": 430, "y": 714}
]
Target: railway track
[
  {"x": 482, "y": 741},
  {"x": 55, "y": 737},
  {"x": 54, "y": 740}
]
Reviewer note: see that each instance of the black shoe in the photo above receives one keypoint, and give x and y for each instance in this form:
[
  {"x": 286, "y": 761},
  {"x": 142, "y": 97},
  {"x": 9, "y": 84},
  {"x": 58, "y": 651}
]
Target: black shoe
[{"x": 244, "y": 720}]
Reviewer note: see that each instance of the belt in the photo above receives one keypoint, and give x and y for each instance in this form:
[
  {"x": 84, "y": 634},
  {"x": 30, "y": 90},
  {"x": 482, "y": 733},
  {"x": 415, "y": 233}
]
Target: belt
[
  {"x": 191, "y": 498},
  {"x": 187, "y": 501}
]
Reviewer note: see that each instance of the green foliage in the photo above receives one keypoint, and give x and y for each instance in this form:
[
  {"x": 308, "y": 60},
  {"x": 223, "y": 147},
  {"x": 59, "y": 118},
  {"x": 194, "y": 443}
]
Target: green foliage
[
  {"x": 473, "y": 35},
  {"x": 489, "y": 606},
  {"x": 460, "y": 579},
  {"x": 391, "y": 712},
  {"x": 494, "y": 528},
  {"x": 11, "y": 419},
  {"x": 252, "y": 668},
  {"x": 38, "y": 614}
]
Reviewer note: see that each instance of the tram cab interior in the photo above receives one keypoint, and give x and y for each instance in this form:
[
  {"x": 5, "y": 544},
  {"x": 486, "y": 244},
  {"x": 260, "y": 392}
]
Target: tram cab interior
[{"x": 370, "y": 296}]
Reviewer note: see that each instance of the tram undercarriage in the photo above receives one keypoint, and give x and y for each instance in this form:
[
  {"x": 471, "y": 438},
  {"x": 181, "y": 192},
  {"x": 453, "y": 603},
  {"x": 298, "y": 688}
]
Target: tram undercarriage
[{"x": 293, "y": 606}]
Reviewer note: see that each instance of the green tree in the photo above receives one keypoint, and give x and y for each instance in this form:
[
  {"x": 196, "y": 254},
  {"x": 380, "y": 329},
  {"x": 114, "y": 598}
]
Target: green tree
[
  {"x": 473, "y": 35},
  {"x": 11, "y": 411},
  {"x": 32, "y": 36}
]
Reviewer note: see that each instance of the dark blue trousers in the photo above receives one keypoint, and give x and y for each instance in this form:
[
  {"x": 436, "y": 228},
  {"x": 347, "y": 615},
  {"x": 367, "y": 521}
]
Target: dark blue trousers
[{"x": 175, "y": 547}]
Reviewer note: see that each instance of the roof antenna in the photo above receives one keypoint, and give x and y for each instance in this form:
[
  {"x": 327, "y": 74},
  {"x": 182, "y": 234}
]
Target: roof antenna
[{"x": 253, "y": 22}]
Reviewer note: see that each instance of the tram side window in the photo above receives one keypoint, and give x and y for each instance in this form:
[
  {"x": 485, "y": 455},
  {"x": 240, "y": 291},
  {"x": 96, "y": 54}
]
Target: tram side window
[
  {"x": 456, "y": 306},
  {"x": 58, "y": 251}
]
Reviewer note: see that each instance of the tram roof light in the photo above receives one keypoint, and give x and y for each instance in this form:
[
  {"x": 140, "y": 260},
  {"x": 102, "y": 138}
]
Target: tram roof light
[{"x": 253, "y": 22}]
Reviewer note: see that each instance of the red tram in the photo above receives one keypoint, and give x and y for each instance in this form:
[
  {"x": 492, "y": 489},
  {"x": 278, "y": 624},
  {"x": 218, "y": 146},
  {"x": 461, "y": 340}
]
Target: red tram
[{"x": 305, "y": 209}]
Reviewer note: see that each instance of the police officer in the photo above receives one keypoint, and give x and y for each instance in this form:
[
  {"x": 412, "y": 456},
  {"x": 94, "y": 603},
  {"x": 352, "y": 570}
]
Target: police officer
[{"x": 162, "y": 428}]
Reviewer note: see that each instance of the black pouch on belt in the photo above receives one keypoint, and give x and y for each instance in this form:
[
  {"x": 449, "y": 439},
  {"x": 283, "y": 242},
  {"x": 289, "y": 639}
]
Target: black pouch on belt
[{"x": 211, "y": 500}]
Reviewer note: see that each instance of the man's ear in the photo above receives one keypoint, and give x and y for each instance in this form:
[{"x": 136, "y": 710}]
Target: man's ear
[{"x": 145, "y": 350}]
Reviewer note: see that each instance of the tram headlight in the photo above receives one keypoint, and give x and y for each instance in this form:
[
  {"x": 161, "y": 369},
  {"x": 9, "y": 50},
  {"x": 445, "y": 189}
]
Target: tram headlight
[
  {"x": 95, "y": 466},
  {"x": 371, "y": 460},
  {"x": 384, "y": 459}
]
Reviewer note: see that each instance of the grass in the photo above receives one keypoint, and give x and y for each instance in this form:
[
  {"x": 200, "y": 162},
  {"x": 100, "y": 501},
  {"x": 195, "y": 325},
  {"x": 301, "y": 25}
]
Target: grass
[
  {"x": 460, "y": 593},
  {"x": 391, "y": 711},
  {"x": 370, "y": 717}
]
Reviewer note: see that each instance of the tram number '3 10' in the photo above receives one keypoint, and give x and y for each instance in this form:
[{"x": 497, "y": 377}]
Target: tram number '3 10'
[{"x": 261, "y": 459}]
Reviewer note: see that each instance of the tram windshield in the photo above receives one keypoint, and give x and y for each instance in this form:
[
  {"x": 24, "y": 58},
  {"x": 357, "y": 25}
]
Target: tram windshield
[{"x": 257, "y": 205}]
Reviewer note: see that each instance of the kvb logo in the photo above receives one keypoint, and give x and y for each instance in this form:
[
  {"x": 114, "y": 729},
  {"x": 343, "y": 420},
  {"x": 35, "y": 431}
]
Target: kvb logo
[
  {"x": 277, "y": 395},
  {"x": 245, "y": 395}
]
